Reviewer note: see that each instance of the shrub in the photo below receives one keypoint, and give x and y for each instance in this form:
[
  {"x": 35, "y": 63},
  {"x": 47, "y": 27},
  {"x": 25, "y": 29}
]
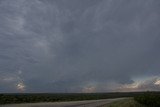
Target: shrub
[{"x": 148, "y": 99}]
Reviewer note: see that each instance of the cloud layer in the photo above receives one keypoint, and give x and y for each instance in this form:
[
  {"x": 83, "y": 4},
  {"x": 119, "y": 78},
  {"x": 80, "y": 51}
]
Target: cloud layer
[{"x": 77, "y": 45}]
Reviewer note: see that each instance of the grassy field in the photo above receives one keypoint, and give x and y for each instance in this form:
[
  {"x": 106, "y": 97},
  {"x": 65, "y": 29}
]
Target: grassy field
[
  {"x": 56, "y": 97},
  {"x": 149, "y": 99},
  {"x": 125, "y": 103},
  {"x": 51, "y": 97}
]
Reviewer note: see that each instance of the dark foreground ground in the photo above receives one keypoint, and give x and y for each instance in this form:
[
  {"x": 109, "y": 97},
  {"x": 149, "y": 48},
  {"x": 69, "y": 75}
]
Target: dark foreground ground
[
  {"x": 86, "y": 103},
  {"x": 147, "y": 98},
  {"x": 57, "y": 97}
]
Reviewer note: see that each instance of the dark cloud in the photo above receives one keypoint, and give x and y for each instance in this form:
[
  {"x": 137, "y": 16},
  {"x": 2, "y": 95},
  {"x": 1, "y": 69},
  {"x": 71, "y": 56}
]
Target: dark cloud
[{"x": 78, "y": 45}]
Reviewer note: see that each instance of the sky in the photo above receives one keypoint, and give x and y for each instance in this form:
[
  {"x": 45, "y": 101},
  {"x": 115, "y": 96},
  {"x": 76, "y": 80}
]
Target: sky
[{"x": 79, "y": 45}]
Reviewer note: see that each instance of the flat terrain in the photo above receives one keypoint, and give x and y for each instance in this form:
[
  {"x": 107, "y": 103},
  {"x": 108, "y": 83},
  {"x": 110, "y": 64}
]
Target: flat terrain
[
  {"x": 86, "y": 103},
  {"x": 129, "y": 102},
  {"x": 17, "y": 98}
]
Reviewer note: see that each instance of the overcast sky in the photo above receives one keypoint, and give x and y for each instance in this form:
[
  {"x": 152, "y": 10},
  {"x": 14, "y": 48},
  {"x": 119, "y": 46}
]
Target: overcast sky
[{"x": 79, "y": 45}]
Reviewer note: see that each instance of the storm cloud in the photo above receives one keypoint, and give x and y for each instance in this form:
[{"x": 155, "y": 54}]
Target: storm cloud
[{"x": 78, "y": 45}]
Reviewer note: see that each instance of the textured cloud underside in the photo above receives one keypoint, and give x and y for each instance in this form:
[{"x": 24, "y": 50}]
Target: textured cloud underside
[{"x": 77, "y": 45}]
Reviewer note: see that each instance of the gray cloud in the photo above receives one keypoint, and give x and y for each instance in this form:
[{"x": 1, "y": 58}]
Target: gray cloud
[
  {"x": 78, "y": 45},
  {"x": 151, "y": 84}
]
